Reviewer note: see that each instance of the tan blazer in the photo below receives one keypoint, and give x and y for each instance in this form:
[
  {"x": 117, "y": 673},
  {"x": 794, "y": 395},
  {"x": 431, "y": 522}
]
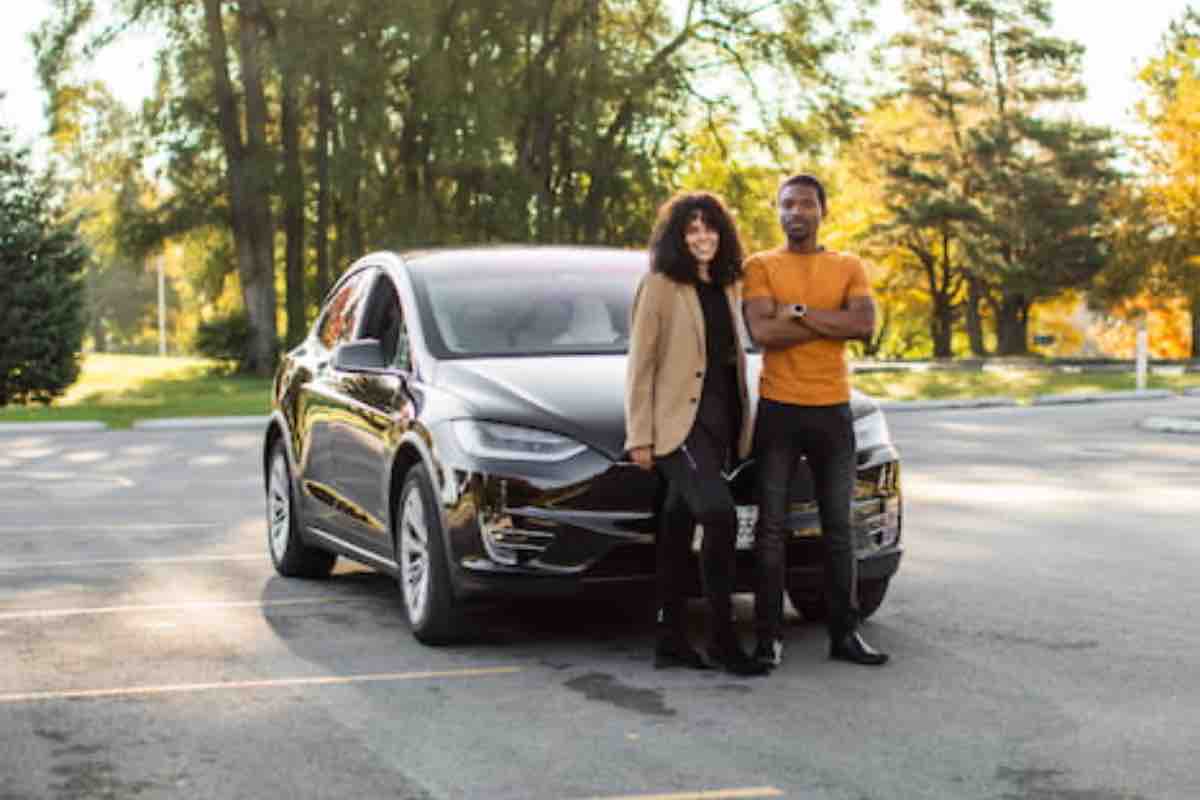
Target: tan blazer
[{"x": 665, "y": 372}]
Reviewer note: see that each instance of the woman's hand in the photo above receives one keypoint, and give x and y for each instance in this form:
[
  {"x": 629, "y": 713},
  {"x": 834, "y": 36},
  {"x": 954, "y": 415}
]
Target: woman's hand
[{"x": 643, "y": 457}]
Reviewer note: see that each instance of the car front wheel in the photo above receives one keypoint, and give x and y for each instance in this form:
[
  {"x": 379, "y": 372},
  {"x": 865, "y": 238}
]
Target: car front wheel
[
  {"x": 424, "y": 575},
  {"x": 290, "y": 555}
]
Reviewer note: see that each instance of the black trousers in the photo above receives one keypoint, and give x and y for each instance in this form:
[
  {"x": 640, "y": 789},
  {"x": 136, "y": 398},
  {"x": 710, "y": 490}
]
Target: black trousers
[
  {"x": 697, "y": 493},
  {"x": 824, "y": 435}
]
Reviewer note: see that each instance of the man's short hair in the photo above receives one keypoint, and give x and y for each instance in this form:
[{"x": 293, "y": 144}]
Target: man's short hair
[{"x": 804, "y": 179}]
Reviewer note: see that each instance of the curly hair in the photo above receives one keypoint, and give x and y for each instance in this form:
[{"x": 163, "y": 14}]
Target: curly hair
[{"x": 669, "y": 253}]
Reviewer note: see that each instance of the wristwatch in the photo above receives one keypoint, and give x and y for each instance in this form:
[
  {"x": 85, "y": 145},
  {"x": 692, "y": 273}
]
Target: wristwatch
[{"x": 799, "y": 310}]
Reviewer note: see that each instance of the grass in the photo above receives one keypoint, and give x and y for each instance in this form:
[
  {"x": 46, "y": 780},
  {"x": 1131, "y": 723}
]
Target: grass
[
  {"x": 119, "y": 389},
  {"x": 1021, "y": 384}
]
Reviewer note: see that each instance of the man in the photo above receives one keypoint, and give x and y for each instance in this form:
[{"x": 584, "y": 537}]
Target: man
[{"x": 802, "y": 302}]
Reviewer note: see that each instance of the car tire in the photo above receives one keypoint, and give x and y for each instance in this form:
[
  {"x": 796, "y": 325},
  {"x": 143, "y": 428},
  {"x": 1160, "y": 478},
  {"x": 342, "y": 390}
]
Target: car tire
[
  {"x": 290, "y": 555},
  {"x": 424, "y": 575},
  {"x": 811, "y": 604},
  {"x": 870, "y": 596}
]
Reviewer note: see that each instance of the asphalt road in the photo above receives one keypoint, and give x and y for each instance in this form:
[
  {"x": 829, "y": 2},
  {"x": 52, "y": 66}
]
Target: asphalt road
[{"x": 1043, "y": 630}]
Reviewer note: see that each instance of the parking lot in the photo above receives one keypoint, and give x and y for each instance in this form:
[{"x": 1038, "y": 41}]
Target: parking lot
[{"x": 1042, "y": 630}]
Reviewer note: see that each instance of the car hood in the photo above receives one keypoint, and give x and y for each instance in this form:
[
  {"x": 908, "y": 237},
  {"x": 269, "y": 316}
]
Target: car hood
[{"x": 579, "y": 396}]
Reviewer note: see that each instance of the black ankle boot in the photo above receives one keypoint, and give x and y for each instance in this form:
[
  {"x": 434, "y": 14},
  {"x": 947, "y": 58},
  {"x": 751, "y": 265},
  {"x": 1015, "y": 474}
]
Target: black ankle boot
[
  {"x": 726, "y": 653},
  {"x": 673, "y": 650}
]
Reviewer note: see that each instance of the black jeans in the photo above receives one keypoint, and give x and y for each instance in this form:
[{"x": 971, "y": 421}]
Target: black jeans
[
  {"x": 697, "y": 493},
  {"x": 824, "y": 435}
]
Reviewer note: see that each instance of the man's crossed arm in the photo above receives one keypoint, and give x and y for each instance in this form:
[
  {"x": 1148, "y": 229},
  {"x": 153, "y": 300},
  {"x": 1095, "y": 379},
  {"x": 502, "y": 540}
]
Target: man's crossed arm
[{"x": 775, "y": 325}]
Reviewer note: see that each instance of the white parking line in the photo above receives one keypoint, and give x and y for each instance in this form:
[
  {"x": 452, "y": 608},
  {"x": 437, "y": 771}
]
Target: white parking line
[
  {"x": 46, "y": 613},
  {"x": 25, "y": 480},
  {"x": 184, "y": 688},
  {"x": 704, "y": 794},
  {"x": 113, "y": 527},
  {"x": 13, "y": 566}
]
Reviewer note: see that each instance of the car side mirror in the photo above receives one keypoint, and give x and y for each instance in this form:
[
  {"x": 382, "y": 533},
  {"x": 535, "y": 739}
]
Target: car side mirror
[{"x": 365, "y": 355}]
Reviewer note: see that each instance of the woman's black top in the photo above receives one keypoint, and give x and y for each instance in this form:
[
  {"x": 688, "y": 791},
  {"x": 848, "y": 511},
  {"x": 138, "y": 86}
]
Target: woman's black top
[{"x": 720, "y": 411}]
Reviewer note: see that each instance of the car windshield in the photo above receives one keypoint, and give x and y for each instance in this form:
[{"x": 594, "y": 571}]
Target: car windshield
[{"x": 533, "y": 310}]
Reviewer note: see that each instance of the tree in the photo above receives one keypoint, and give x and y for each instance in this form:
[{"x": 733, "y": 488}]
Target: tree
[
  {"x": 997, "y": 203},
  {"x": 41, "y": 294},
  {"x": 1171, "y": 193},
  {"x": 1041, "y": 182},
  {"x": 335, "y": 127},
  {"x": 98, "y": 159}
]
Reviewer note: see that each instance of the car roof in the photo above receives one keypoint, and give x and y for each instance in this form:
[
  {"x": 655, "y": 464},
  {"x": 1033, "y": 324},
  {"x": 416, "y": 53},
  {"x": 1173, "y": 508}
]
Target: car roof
[{"x": 467, "y": 260}]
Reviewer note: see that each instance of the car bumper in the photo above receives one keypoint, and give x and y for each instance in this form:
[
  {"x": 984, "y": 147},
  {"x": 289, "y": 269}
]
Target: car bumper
[{"x": 508, "y": 538}]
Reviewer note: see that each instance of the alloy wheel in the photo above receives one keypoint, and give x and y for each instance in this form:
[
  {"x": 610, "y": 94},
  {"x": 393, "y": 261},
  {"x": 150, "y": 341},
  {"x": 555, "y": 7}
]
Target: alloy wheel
[
  {"x": 414, "y": 557},
  {"x": 279, "y": 508}
]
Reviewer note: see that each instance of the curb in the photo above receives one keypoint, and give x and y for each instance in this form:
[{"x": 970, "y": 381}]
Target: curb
[
  {"x": 259, "y": 422},
  {"x": 190, "y": 423},
  {"x": 942, "y": 405},
  {"x": 1171, "y": 424},
  {"x": 1107, "y": 397},
  {"x": 83, "y": 426}
]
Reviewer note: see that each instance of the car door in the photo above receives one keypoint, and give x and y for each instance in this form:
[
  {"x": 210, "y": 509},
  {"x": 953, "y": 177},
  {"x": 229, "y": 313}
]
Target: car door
[
  {"x": 379, "y": 410},
  {"x": 322, "y": 407}
]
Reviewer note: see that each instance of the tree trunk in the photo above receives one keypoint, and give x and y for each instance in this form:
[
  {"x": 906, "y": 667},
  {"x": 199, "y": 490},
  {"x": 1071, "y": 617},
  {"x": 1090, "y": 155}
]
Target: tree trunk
[
  {"x": 99, "y": 336},
  {"x": 324, "y": 141},
  {"x": 1194, "y": 308},
  {"x": 246, "y": 174},
  {"x": 941, "y": 328},
  {"x": 293, "y": 211},
  {"x": 261, "y": 302},
  {"x": 974, "y": 317},
  {"x": 99, "y": 332},
  {"x": 1012, "y": 326}
]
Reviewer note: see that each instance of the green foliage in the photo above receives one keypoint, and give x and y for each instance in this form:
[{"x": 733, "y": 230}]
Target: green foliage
[
  {"x": 226, "y": 339},
  {"x": 41, "y": 296},
  {"x": 1003, "y": 205},
  {"x": 1158, "y": 251}
]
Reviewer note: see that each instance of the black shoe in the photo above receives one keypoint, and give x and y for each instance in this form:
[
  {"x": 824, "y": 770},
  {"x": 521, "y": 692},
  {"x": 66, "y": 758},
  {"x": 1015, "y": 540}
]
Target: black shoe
[
  {"x": 735, "y": 662},
  {"x": 852, "y": 648},
  {"x": 769, "y": 652},
  {"x": 673, "y": 651}
]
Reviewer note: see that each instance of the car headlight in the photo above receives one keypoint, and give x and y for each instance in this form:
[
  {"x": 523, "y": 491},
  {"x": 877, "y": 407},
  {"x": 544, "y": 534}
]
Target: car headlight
[
  {"x": 513, "y": 443},
  {"x": 871, "y": 430}
]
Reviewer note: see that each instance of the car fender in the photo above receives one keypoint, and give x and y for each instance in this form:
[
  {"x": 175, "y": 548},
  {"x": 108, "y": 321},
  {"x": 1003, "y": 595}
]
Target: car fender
[
  {"x": 443, "y": 479},
  {"x": 279, "y": 419}
]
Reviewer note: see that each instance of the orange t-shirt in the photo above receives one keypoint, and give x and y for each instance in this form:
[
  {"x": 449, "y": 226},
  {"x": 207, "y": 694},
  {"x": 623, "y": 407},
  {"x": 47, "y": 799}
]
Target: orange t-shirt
[{"x": 811, "y": 373}]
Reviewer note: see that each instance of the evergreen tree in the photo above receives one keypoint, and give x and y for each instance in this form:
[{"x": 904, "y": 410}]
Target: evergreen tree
[
  {"x": 41, "y": 293},
  {"x": 999, "y": 204}
]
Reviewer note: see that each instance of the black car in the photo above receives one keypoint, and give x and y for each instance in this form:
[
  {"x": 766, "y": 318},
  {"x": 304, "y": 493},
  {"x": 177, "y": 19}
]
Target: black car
[{"x": 455, "y": 419}]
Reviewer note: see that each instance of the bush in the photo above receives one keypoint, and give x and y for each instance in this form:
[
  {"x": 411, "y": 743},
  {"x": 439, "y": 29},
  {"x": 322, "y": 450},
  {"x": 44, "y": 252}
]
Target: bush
[
  {"x": 226, "y": 339},
  {"x": 41, "y": 295}
]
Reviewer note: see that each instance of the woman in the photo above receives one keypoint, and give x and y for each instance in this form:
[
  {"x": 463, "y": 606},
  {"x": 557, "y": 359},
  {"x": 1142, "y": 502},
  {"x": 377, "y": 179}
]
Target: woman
[{"x": 688, "y": 415}]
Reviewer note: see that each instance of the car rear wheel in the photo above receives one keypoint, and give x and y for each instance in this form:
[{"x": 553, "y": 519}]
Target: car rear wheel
[
  {"x": 811, "y": 603},
  {"x": 424, "y": 575},
  {"x": 290, "y": 555}
]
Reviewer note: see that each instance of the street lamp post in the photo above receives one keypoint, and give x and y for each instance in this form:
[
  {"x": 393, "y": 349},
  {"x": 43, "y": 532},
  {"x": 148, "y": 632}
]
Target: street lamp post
[
  {"x": 162, "y": 308},
  {"x": 1143, "y": 353}
]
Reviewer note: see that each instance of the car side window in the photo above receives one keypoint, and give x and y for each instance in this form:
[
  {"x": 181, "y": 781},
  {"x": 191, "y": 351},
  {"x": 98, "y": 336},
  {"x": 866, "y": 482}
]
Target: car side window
[
  {"x": 341, "y": 315},
  {"x": 384, "y": 321}
]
